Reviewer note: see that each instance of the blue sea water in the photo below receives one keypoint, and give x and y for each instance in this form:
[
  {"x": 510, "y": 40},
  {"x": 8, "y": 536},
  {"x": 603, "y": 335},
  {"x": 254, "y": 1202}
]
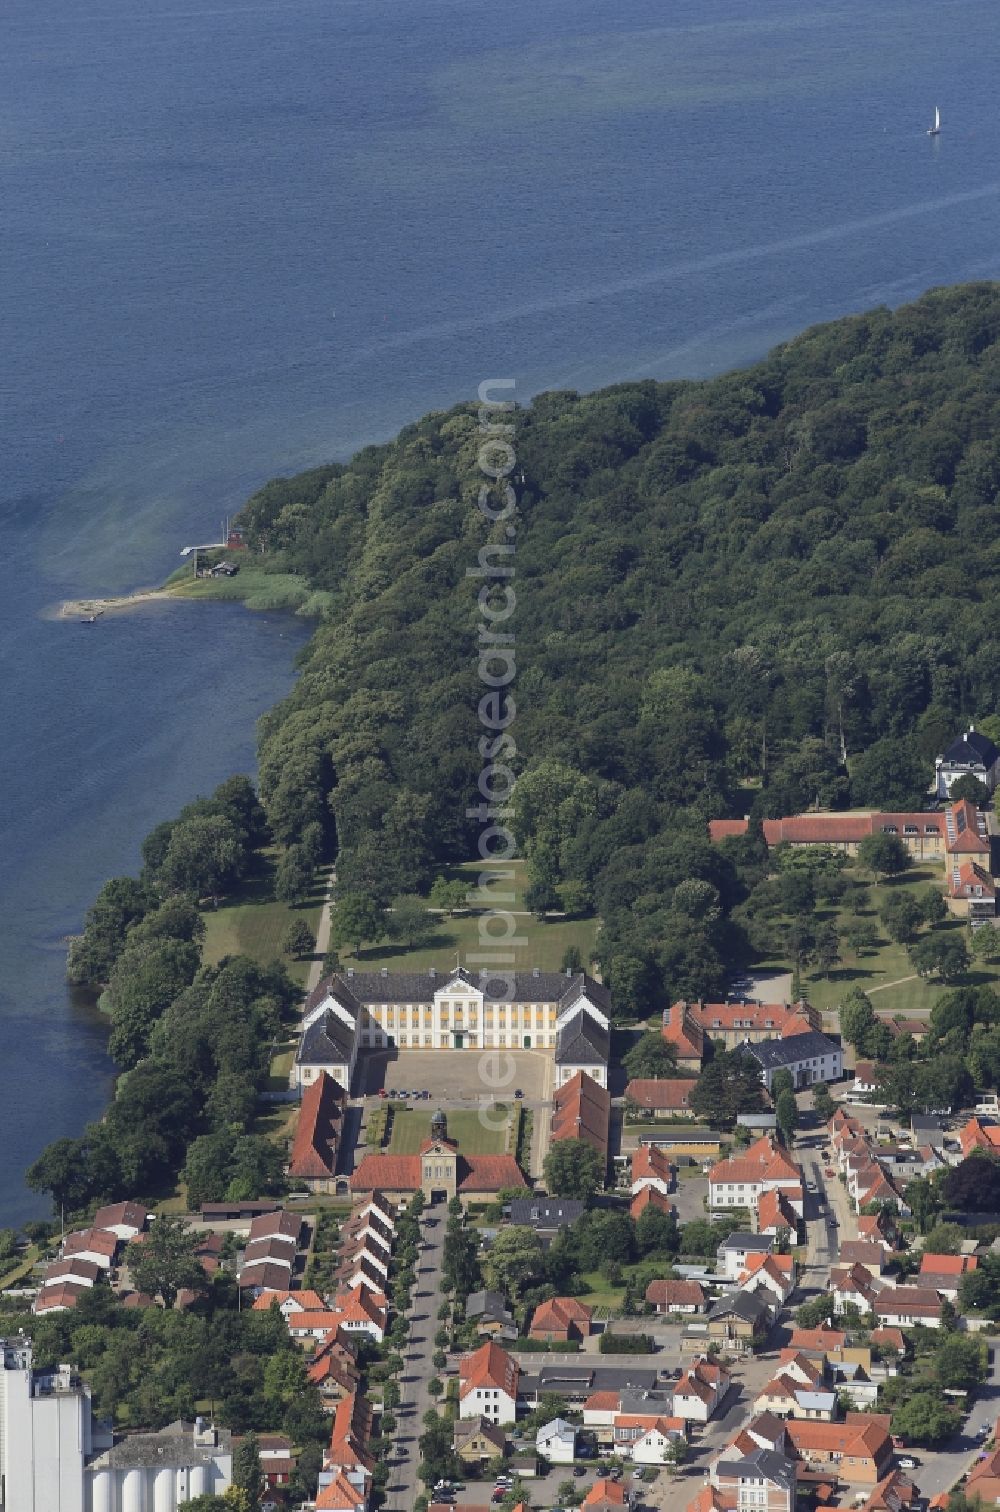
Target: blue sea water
[{"x": 242, "y": 236}]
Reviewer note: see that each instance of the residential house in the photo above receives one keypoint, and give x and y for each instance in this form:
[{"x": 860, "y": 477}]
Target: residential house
[
  {"x": 126, "y": 1220},
  {"x": 487, "y": 1384},
  {"x": 339, "y": 1494},
  {"x": 983, "y": 1484},
  {"x": 757, "y": 1479},
  {"x": 741, "y": 1320},
  {"x": 72, "y": 1272},
  {"x": 477, "y": 1440},
  {"x": 943, "y": 1273},
  {"x": 734, "y": 1252},
  {"x": 99, "y": 1246},
  {"x": 649, "y": 1197},
  {"x": 764, "y": 1166},
  {"x": 61, "y": 1298},
  {"x": 651, "y": 1167},
  {"x": 661, "y": 1097},
  {"x": 699, "y": 1391},
  {"x": 676, "y": 1296},
  {"x": 561, "y": 1319},
  {"x": 605, "y": 1495},
  {"x": 276, "y": 1462},
  {"x": 599, "y": 1412},
  {"x": 776, "y": 1217},
  {"x": 976, "y": 1135},
  {"x": 908, "y": 1306},
  {"x": 772, "y": 1275},
  {"x": 809, "y": 1057},
  {"x": 895, "y": 1493},
  {"x": 971, "y": 754},
  {"x": 546, "y": 1216},
  {"x": 645, "y": 1436},
  {"x": 861, "y": 1252},
  {"x": 858, "y": 1450},
  {"x": 488, "y": 1310},
  {"x": 798, "y": 1389},
  {"x": 556, "y": 1442},
  {"x": 853, "y": 1286},
  {"x": 288, "y": 1302},
  {"x": 333, "y": 1369}
]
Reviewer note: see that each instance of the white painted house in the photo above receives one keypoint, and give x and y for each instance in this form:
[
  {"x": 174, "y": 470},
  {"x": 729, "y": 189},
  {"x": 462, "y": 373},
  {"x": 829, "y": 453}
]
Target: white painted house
[{"x": 556, "y": 1442}]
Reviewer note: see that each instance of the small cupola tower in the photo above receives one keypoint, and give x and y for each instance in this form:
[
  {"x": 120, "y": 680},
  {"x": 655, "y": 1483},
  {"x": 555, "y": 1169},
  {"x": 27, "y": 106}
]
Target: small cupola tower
[{"x": 439, "y": 1125}]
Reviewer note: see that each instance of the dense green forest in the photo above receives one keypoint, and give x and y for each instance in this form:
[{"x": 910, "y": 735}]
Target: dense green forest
[{"x": 756, "y": 592}]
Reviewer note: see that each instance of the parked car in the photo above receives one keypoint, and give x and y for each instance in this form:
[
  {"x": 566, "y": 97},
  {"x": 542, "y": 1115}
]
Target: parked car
[
  {"x": 578, "y": 1471},
  {"x": 518, "y": 1092},
  {"x": 907, "y": 1462}
]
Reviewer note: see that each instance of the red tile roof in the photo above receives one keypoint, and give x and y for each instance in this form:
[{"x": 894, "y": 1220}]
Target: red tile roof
[
  {"x": 489, "y": 1367},
  {"x": 650, "y": 1197},
  {"x": 582, "y": 1110},
  {"x": 318, "y": 1131},
  {"x": 122, "y": 1215},
  {"x": 563, "y": 1316},
  {"x": 650, "y": 1162},
  {"x": 675, "y": 1293},
  {"x": 97, "y": 1241},
  {"x": 605, "y": 1491},
  {"x": 722, "y": 829},
  {"x": 947, "y": 1265},
  {"x": 667, "y": 1093}
]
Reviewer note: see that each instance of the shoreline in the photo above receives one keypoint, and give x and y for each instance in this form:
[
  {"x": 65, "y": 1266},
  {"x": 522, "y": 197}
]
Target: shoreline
[{"x": 85, "y": 608}]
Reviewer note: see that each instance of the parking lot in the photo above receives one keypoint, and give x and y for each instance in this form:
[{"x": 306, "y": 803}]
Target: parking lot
[{"x": 458, "y": 1078}]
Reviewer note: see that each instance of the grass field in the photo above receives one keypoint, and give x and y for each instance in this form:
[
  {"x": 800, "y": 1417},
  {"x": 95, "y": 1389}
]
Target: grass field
[
  {"x": 539, "y": 942},
  {"x": 252, "y": 922},
  {"x": 412, "y": 1126},
  {"x": 885, "y": 972}
]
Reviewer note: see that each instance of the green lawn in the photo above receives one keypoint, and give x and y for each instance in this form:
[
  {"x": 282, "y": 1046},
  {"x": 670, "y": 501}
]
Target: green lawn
[
  {"x": 538, "y": 942},
  {"x": 412, "y": 1126},
  {"x": 252, "y": 922},
  {"x": 885, "y": 972}
]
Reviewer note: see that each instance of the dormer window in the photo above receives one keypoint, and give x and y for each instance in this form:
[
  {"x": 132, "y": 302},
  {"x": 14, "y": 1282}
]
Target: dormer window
[{"x": 889, "y": 829}]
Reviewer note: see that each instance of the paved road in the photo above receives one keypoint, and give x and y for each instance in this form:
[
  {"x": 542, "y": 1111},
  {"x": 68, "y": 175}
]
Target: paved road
[
  {"x": 939, "y": 1470},
  {"x": 403, "y": 1487}
]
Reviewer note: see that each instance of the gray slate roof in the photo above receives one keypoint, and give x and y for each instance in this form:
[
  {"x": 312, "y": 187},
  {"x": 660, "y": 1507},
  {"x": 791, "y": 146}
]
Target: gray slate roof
[
  {"x": 737, "y": 1242},
  {"x": 772, "y": 1054},
  {"x": 745, "y": 1305},
  {"x": 582, "y": 1042},
  {"x": 971, "y": 747},
  {"x": 580, "y": 1380},
  {"x": 420, "y": 986},
  {"x": 172, "y": 1446},
  {"x": 327, "y": 1042},
  {"x": 765, "y": 1464},
  {"x": 545, "y": 1212},
  {"x": 487, "y": 1304}
]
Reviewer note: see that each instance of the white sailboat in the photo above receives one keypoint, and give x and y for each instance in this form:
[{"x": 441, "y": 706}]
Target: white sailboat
[{"x": 935, "y": 130}]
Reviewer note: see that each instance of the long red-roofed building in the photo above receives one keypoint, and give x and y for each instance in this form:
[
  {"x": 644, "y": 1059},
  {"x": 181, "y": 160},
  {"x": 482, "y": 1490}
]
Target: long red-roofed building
[{"x": 318, "y": 1133}]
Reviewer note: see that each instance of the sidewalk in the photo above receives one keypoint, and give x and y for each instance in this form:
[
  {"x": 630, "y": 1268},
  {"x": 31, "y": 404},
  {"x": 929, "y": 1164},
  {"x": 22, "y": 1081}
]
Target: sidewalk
[{"x": 322, "y": 934}]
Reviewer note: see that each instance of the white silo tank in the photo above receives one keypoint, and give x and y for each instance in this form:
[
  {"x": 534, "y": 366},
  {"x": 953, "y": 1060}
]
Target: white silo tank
[
  {"x": 164, "y": 1483},
  {"x": 102, "y": 1491},
  {"x": 133, "y": 1486},
  {"x": 199, "y": 1481}
]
